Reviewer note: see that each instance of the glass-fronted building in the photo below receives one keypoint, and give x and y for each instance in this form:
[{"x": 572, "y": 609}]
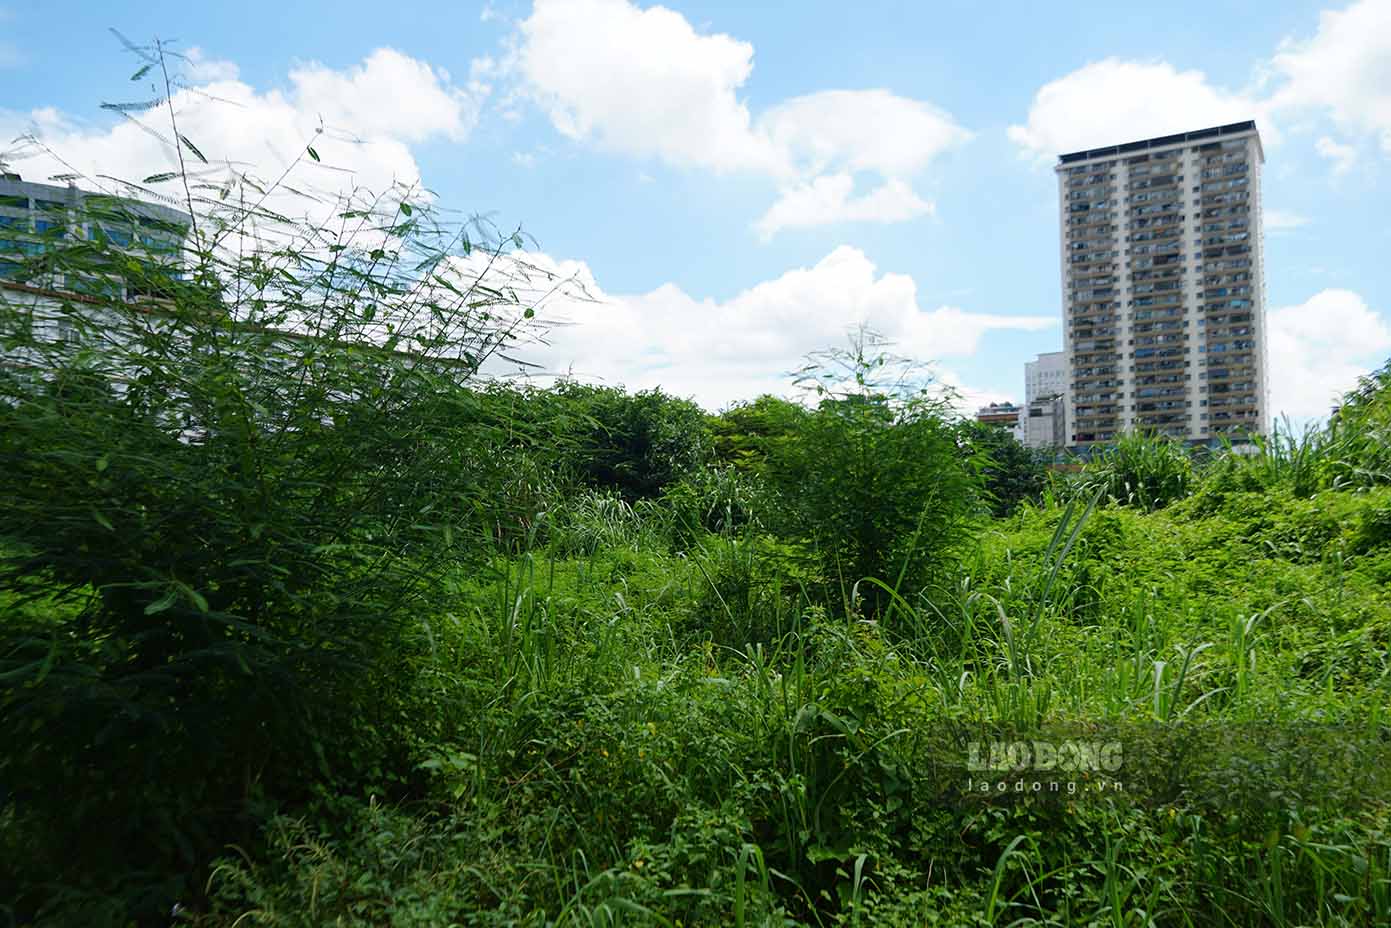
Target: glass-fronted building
[{"x": 36, "y": 219}]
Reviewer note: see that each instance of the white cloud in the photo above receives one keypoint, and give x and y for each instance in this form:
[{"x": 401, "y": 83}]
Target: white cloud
[
  {"x": 829, "y": 199},
  {"x": 1345, "y": 69},
  {"x": 1113, "y": 101},
  {"x": 642, "y": 82},
  {"x": 860, "y": 130},
  {"x": 373, "y": 110},
  {"x": 1319, "y": 348},
  {"x": 1342, "y": 73},
  {"x": 1279, "y": 220},
  {"x": 646, "y": 83},
  {"x": 722, "y": 351},
  {"x": 1343, "y": 156},
  {"x": 201, "y": 69},
  {"x": 388, "y": 94}
]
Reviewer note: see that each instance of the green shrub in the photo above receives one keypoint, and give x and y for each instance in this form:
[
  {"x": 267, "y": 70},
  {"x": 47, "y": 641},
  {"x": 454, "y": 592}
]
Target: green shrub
[
  {"x": 873, "y": 478},
  {"x": 633, "y": 444},
  {"x": 718, "y": 500},
  {"x": 1361, "y": 431},
  {"x": 1012, "y": 473},
  {"x": 234, "y": 503},
  {"x": 1144, "y": 471},
  {"x": 745, "y": 433}
]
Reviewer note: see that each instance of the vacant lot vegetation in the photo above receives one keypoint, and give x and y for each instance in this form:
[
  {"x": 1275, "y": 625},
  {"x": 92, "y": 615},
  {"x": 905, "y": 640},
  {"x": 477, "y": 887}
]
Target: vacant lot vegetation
[{"x": 333, "y": 629}]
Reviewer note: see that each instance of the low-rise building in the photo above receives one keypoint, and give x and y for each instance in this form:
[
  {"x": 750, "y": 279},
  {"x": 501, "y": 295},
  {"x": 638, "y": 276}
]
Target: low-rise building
[
  {"x": 36, "y": 219},
  {"x": 1044, "y": 422},
  {"x": 1005, "y": 416}
]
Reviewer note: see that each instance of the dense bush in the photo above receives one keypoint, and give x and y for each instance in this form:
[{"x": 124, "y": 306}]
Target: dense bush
[
  {"x": 718, "y": 500},
  {"x": 224, "y": 512},
  {"x": 745, "y": 433},
  {"x": 634, "y": 444},
  {"x": 1144, "y": 471},
  {"x": 872, "y": 477},
  {"x": 1012, "y": 473}
]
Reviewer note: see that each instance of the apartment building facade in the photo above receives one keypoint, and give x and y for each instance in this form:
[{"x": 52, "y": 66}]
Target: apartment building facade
[{"x": 1163, "y": 282}]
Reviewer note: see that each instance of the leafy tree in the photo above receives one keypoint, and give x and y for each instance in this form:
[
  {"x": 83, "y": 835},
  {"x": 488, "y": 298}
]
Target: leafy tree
[
  {"x": 637, "y": 444},
  {"x": 1012, "y": 473},
  {"x": 745, "y": 433},
  {"x": 873, "y": 477}
]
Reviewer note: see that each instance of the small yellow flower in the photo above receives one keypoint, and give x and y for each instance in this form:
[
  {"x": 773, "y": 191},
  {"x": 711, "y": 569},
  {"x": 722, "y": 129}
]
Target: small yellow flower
[
  {"x": 604, "y": 751},
  {"x": 638, "y": 864}
]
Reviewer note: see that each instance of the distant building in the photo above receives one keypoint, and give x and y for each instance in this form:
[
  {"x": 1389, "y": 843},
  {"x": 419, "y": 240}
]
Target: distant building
[
  {"x": 1164, "y": 287},
  {"x": 1046, "y": 375},
  {"x": 36, "y": 219},
  {"x": 39, "y": 221},
  {"x": 1003, "y": 415},
  {"x": 1006, "y": 414},
  {"x": 1043, "y": 423}
]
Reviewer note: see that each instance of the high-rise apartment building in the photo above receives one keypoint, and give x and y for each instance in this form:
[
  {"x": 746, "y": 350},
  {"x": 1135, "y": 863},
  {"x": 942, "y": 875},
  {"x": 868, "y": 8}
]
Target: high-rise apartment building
[{"x": 1164, "y": 287}]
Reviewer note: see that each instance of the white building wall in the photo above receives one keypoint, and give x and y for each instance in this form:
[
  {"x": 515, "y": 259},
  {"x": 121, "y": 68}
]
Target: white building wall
[{"x": 1045, "y": 375}]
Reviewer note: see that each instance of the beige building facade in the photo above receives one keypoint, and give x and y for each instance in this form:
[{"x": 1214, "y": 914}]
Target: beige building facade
[{"x": 1163, "y": 281}]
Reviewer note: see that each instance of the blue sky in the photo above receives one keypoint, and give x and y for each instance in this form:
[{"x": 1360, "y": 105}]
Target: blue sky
[{"x": 741, "y": 183}]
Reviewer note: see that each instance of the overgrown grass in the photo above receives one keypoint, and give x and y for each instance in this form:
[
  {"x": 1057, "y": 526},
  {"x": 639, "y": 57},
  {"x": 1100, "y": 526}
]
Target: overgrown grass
[{"x": 608, "y": 763}]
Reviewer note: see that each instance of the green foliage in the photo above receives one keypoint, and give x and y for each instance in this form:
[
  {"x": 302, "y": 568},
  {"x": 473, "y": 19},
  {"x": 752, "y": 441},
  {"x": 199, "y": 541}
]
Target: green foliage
[
  {"x": 223, "y": 512},
  {"x": 1012, "y": 473},
  {"x": 873, "y": 477},
  {"x": 746, "y": 433},
  {"x": 1349, "y": 452},
  {"x": 1145, "y": 471},
  {"x": 634, "y": 444},
  {"x": 586, "y": 521},
  {"x": 718, "y": 500},
  {"x": 1361, "y": 430}
]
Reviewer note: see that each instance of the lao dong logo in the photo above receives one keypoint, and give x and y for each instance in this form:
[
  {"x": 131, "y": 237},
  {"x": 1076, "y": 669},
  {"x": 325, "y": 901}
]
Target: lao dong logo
[{"x": 1063, "y": 756}]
